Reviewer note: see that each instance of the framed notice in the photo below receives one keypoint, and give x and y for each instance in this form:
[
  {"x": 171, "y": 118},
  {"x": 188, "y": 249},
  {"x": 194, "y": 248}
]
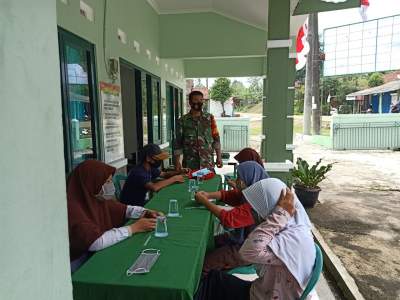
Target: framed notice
[{"x": 112, "y": 122}]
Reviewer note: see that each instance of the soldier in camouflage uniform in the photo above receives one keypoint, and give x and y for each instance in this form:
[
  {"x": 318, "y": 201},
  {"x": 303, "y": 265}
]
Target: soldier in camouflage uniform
[{"x": 197, "y": 137}]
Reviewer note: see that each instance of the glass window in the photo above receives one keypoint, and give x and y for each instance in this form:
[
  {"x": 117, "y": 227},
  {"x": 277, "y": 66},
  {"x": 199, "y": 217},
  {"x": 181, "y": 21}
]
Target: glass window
[
  {"x": 80, "y": 113},
  {"x": 164, "y": 110},
  {"x": 144, "y": 110},
  {"x": 79, "y": 99},
  {"x": 169, "y": 113},
  {"x": 156, "y": 114}
]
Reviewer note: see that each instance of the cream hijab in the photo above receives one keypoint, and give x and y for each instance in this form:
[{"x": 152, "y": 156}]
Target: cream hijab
[{"x": 294, "y": 245}]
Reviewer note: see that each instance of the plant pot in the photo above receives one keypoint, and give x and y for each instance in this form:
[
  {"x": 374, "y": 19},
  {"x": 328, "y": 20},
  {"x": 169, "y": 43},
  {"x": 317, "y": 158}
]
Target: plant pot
[{"x": 307, "y": 196}]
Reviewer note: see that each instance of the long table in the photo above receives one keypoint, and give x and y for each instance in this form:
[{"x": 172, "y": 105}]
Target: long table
[{"x": 177, "y": 272}]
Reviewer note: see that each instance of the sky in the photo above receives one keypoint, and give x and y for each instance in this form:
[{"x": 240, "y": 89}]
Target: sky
[
  {"x": 377, "y": 9},
  {"x": 211, "y": 80}
]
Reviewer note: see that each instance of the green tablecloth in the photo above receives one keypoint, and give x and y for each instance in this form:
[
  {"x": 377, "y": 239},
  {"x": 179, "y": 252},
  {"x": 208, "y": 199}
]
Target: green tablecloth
[{"x": 176, "y": 273}]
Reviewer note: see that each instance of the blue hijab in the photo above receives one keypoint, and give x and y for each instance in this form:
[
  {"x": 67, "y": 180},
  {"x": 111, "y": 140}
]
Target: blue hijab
[{"x": 251, "y": 172}]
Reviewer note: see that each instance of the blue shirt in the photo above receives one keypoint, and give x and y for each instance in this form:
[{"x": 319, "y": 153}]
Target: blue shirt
[{"x": 134, "y": 191}]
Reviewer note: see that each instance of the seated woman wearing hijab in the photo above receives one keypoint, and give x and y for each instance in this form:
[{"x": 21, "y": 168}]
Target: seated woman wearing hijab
[
  {"x": 240, "y": 218},
  {"x": 95, "y": 219},
  {"x": 246, "y": 154},
  {"x": 282, "y": 249}
]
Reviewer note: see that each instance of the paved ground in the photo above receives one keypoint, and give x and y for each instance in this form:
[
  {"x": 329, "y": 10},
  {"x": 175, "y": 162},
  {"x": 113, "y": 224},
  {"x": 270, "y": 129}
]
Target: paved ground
[
  {"x": 359, "y": 215},
  {"x": 323, "y": 289}
]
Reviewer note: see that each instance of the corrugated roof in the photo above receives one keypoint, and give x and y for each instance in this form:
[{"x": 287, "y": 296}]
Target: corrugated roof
[{"x": 387, "y": 87}]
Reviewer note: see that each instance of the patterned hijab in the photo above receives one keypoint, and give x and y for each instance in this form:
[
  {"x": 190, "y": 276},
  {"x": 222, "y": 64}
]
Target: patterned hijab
[{"x": 294, "y": 245}]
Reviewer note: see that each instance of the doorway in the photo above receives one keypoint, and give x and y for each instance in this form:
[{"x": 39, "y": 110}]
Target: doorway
[{"x": 141, "y": 106}]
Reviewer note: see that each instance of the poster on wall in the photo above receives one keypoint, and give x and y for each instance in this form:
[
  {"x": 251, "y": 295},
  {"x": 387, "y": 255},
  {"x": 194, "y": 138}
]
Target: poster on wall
[{"x": 112, "y": 122}]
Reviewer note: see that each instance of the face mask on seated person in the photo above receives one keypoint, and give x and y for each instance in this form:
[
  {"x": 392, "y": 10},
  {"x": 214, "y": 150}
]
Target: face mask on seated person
[
  {"x": 107, "y": 191},
  {"x": 156, "y": 164}
]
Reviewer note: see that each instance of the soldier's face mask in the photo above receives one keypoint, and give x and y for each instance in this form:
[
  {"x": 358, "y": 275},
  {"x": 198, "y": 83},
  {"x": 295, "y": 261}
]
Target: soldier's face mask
[{"x": 197, "y": 106}]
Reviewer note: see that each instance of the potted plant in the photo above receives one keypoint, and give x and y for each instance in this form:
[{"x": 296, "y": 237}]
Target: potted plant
[{"x": 306, "y": 180}]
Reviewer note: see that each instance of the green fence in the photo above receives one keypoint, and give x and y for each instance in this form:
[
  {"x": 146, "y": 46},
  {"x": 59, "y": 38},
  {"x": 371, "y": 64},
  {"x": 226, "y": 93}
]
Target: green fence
[
  {"x": 366, "y": 132},
  {"x": 235, "y": 138},
  {"x": 234, "y": 133}
]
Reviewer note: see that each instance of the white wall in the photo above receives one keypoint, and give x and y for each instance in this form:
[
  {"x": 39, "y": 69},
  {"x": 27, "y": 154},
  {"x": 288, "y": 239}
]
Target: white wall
[
  {"x": 34, "y": 260},
  {"x": 216, "y": 107}
]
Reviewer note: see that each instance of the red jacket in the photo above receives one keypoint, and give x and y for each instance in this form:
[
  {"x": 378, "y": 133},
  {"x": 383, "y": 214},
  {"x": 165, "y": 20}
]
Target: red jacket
[{"x": 238, "y": 217}]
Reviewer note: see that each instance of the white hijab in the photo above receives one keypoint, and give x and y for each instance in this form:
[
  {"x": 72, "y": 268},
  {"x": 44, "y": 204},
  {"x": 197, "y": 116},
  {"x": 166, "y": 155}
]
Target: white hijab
[{"x": 294, "y": 245}]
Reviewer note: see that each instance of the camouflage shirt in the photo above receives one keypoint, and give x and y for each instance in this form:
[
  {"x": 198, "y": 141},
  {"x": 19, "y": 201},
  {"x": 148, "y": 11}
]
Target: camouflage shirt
[{"x": 197, "y": 138}]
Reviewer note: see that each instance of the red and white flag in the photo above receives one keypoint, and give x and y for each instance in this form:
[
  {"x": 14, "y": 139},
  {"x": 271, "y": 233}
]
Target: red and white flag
[
  {"x": 363, "y": 9},
  {"x": 302, "y": 46}
]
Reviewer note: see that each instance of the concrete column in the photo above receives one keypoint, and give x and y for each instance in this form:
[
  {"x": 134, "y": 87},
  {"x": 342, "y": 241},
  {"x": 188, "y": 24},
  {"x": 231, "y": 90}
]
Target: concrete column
[
  {"x": 34, "y": 255},
  {"x": 290, "y": 106},
  {"x": 275, "y": 108}
]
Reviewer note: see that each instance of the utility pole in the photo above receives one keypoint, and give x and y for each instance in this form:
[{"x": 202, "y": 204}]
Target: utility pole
[
  {"x": 312, "y": 105},
  {"x": 316, "y": 106},
  {"x": 308, "y": 83}
]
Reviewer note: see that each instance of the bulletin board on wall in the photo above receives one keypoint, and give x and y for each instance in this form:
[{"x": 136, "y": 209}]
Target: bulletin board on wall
[{"x": 113, "y": 136}]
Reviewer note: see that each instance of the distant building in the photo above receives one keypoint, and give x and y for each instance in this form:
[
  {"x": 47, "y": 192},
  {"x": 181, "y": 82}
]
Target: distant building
[{"x": 379, "y": 99}]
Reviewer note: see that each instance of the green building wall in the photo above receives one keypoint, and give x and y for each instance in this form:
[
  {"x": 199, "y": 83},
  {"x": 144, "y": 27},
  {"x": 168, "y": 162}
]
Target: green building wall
[
  {"x": 34, "y": 258},
  {"x": 137, "y": 19}
]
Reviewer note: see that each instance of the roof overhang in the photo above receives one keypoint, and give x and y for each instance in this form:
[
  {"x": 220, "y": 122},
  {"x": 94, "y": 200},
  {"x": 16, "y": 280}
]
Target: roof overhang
[
  {"x": 311, "y": 6},
  {"x": 384, "y": 88}
]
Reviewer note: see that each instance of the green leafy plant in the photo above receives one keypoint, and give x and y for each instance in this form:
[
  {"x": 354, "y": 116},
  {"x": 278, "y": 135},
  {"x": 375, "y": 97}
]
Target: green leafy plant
[
  {"x": 221, "y": 91},
  {"x": 309, "y": 177},
  {"x": 375, "y": 79}
]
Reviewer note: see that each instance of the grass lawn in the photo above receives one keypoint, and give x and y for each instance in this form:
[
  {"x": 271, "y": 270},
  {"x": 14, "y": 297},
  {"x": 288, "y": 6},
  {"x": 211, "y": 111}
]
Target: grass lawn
[
  {"x": 298, "y": 128},
  {"x": 255, "y": 128}
]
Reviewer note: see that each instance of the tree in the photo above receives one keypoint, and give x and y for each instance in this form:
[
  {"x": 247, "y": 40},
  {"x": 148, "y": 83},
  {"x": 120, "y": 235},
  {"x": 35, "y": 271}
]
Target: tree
[
  {"x": 221, "y": 91},
  {"x": 238, "y": 89},
  {"x": 375, "y": 79},
  {"x": 255, "y": 88}
]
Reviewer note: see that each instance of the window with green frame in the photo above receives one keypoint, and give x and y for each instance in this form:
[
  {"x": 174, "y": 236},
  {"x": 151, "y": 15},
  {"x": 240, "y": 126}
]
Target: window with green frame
[
  {"x": 154, "y": 108},
  {"x": 79, "y": 99},
  {"x": 174, "y": 109}
]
